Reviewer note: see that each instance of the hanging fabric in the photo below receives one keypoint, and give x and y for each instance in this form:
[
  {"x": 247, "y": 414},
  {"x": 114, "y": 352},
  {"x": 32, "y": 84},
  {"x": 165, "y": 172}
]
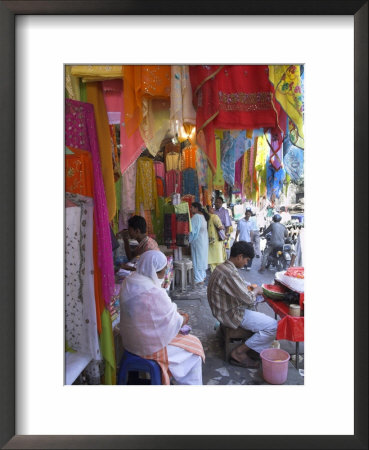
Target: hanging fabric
[
  {"x": 181, "y": 106},
  {"x": 95, "y": 96},
  {"x": 190, "y": 184},
  {"x": 80, "y": 132},
  {"x": 146, "y": 193},
  {"x": 90, "y": 73}
]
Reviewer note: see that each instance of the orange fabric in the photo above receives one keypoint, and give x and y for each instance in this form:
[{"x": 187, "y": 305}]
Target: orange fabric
[
  {"x": 160, "y": 187},
  {"x": 188, "y": 342},
  {"x": 189, "y": 158},
  {"x": 140, "y": 81},
  {"x": 96, "y": 97},
  {"x": 78, "y": 172}
]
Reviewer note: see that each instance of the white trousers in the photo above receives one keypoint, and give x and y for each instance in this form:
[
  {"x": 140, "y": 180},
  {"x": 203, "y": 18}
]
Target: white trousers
[
  {"x": 186, "y": 367},
  {"x": 264, "y": 327}
]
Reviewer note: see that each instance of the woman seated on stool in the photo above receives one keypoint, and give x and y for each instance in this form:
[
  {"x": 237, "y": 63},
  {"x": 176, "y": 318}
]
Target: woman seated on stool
[{"x": 150, "y": 323}]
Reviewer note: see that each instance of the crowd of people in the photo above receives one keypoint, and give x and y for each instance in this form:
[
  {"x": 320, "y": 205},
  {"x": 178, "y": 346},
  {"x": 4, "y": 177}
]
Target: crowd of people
[{"x": 152, "y": 326}]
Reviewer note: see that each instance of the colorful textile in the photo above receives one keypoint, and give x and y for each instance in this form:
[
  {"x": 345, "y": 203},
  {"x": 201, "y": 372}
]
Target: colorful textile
[
  {"x": 158, "y": 221},
  {"x": 160, "y": 187},
  {"x": 199, "y": 241},
  {"x": 169, "y": 231},
  {"x": 145, "y": 245},
  {"x": 71, "y": 85},
  {"x": 107, "y": 349},
  {"x": 293, "y": 161},
  {"x": 275, "y": 179},
  {"x": 276, "y": 149},
  {"x": 188, "y": 160},
  {"x": 96, "y": 98},
  {"x": 231, "y": 97},
  {"x": 201, "y": 167},
  {"x": 190, "y": 184},
  {"x": 173, "y": 182},
  {"x": 80, "y": 312},
  {"x": 146, "y": 193},
  {"x": 172, "y": 161},
  {"x": 80, "y": 132},
  {"x": 159, "y": 169},
  {"x": 288, "y": 93},
  {"x": 79, "y": 172},
  {"x": 228, "y": 157},
  {"x": 90, "y": 73},
  {"x": 155, "y": 122},
  {"x": 139, "y": 82},
  {"x": 128, "y": 196},
  {"x": 218, "y": 179},
  {"x": 181, "y": 107},
  {"x": 182, "y": 224}
]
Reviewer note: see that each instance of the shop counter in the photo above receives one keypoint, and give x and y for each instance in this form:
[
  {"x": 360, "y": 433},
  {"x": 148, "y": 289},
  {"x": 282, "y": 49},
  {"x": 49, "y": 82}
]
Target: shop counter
[{"x": 289, "y": 327}]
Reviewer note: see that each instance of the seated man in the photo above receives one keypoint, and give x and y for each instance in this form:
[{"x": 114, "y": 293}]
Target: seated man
[
  {"x": 233, "y": 304},
  {"x": 137, "y": 230}
]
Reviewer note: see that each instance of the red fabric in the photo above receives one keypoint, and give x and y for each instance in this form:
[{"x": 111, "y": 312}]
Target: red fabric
[
  {"x": 289, "y": 327},
  {"x": 231, "y": 97}
]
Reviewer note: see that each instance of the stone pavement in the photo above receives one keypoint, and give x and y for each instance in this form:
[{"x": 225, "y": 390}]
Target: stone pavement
[{"x": 216, "y": 370}]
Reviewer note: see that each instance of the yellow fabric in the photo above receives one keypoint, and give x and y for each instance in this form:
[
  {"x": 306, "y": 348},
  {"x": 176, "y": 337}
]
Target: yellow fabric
[
  {"x": 155, "y": 122},
  {"x": 146, "y": 193},
  {"x": 96, "y": 97},
  {"x": 96, "y": 73},
  {"x": 218, "y": 180},
  {"x": 72, "y": 84},
  {"x": 107, "y": 349},
  {"x": 216, "y": 247},
  {"x": 287, "y": 84}
]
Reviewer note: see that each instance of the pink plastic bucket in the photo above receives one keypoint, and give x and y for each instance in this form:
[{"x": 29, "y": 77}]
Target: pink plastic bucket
[{"x": 275, "y": 365}]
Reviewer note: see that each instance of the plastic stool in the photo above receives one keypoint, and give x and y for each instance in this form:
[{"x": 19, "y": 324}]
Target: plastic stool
[
  {"x": 185, "y": 269},
  {"x": 131, "y": 363}
]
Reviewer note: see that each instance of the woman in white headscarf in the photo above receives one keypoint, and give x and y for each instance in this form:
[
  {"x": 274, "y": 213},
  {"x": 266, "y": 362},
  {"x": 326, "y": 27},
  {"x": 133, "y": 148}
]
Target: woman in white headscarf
[{"x": 150, "y": 323}]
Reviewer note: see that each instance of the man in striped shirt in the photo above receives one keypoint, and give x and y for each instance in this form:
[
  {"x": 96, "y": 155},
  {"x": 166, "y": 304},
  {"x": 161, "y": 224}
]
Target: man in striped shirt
[{"x": 233, "y": 304}]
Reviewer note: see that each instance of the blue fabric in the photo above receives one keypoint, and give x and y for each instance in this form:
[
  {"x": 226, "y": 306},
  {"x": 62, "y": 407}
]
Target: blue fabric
[
  {"x": 199, "y": 247},
  {"x": 228, "y": 160},
  {"x": 293, "y": 159},
  {"x": 275, "y": 180},
  {"x": 190, "y": 184}
]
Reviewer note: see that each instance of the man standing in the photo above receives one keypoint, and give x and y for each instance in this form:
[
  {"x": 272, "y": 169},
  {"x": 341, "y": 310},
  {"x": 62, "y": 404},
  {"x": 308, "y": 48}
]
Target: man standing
[
  {"x": 233, "y": 304},
  {"x": 279, "y": 233},
  {"x": 245, "y": 228}
]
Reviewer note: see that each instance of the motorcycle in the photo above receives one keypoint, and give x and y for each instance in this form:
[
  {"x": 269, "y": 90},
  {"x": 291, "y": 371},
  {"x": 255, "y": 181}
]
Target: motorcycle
[{"x": 280, "y": 257}]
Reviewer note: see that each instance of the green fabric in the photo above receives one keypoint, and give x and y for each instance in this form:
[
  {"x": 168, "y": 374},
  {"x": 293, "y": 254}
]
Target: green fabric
[
  {"x": 107, "y": 348},
  {"x": 83, "y": 91},
  {"x": 158, "y": 221}
]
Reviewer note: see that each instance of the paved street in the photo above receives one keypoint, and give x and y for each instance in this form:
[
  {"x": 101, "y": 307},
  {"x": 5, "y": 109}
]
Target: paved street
[{"x": 216, "y": 370}]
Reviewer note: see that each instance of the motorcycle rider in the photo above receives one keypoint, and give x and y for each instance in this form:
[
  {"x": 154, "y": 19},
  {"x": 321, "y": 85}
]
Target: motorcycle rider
[{"x": 278, "y": 234}]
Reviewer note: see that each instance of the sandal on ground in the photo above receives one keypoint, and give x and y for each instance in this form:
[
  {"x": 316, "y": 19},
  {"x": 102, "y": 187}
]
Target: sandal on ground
[{"x": 248, "y": 364}]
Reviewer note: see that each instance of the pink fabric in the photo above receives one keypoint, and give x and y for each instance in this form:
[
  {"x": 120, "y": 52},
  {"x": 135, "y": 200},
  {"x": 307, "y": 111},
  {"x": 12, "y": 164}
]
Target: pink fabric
[
  {"x": 159, "y": 169},
  {"x": 173, "y": 182},
  {"x": 131, "y": 147},
  {"x": 80, "y": 132},
  {"x": 237, "y": 173}
]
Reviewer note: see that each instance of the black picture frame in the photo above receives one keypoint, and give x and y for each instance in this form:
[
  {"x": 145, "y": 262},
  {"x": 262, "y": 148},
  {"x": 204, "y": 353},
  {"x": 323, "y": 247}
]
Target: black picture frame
[{"x": 8, "y": 11}]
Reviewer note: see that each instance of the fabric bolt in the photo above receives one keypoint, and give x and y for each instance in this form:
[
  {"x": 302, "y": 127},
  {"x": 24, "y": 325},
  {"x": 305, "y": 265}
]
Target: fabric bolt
[
  {"x": 228, "y": 158},
  {"x": 231, "y": 97},
  {"x": 159, "y": 169},
  {"x": 80, "y": 132},
  {"x": 218, "y": 180},
  {"x": 190, "y": 183},
  {"x": 199, "y": 241},
  {"x": 188, "y": 160},
  {"x": 181, "y": 106},
  {"x": 173, "y": 182},
  {"x": 146, "y": 193},
  {"x": 78, "y": 172},
  {"x": 80, "y": 312},
  {"x": 96, "y": 98},
  {"x": 228, "y": 295},
  {"x": 201, "y": 167},
  {"x": 146, "y": 103},
  {"x": 275, "y": 179},
  {"x": 288, "y": 93},
  {"x": 172, "y": 161},
  {"x": 216, "y": 254},
  {"x": 90, "y": 73},
  {"x": 183, "y": 224},
  {"x": 72, "y": 88}
]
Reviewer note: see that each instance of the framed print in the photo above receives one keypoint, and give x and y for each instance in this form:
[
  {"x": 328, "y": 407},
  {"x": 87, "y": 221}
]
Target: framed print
[{"x": 37, "y": 39}]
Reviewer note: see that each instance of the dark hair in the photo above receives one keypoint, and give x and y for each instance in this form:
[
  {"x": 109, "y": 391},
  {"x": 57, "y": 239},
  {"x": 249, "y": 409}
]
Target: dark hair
[
  {"x": 246, "y": 249},
  {"x": 201, "y": 210},
  {"x": 137, "y": 223},
  {"x": 220, "y": 198}
]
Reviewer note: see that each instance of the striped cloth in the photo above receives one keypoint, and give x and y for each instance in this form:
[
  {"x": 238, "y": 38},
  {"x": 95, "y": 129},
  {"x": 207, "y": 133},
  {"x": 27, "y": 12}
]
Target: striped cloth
[{"x": 188, "y": 342}]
